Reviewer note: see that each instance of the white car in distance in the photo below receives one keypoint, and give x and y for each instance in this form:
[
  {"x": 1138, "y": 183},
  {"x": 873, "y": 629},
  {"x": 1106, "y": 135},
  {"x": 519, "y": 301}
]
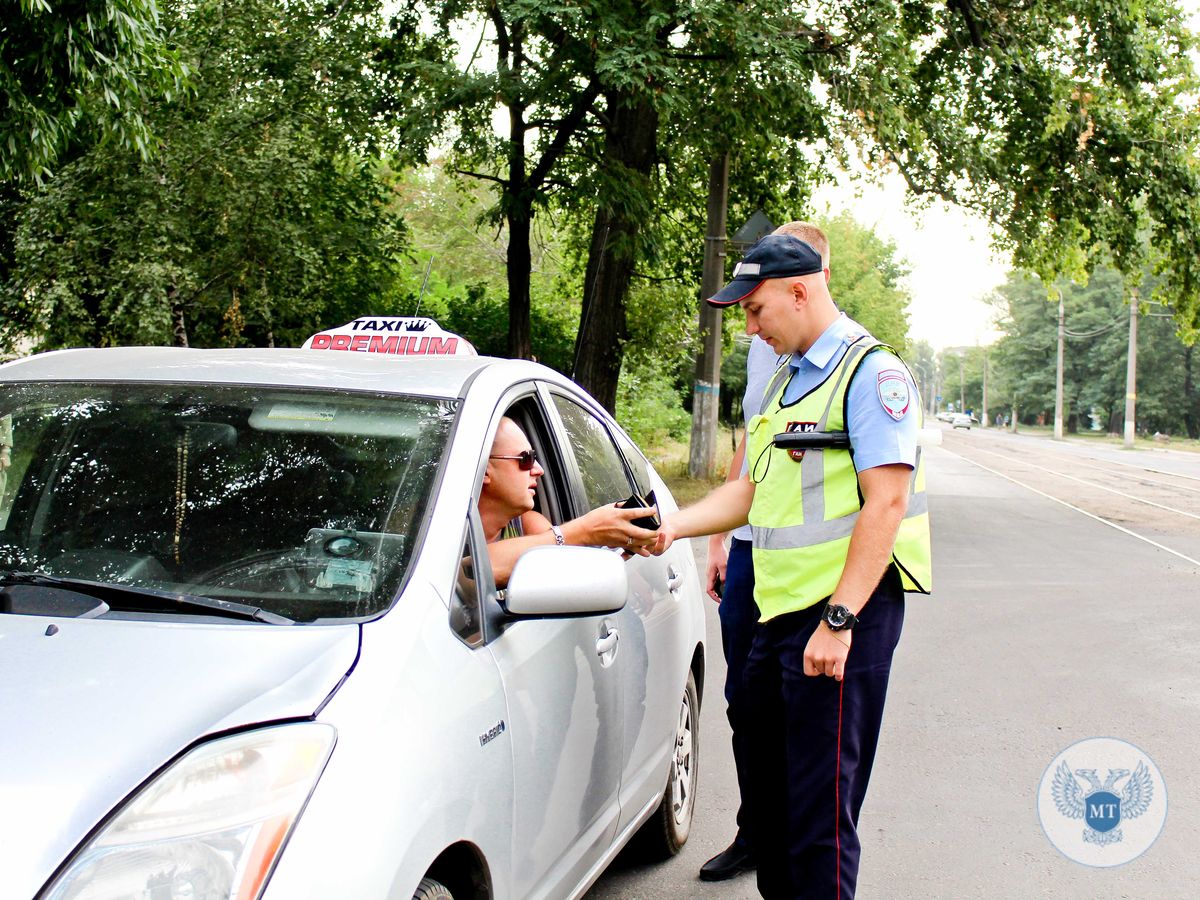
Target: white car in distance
[{"x": 252, "y": 646}]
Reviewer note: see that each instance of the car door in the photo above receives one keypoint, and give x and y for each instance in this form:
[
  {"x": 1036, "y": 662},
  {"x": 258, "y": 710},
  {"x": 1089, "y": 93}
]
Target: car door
[
  {"x": 562, "y": 683},
  {"x": 652, "y": 631}
]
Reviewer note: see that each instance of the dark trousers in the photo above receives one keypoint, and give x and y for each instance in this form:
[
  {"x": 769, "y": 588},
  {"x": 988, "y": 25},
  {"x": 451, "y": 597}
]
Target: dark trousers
[
  {"x": 811, "y": 745},
  {"x": 739, "y": 616}
]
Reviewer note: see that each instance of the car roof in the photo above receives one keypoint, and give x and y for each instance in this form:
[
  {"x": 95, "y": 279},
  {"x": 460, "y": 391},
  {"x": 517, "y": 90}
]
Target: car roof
[{"x": 424, "y": 376}]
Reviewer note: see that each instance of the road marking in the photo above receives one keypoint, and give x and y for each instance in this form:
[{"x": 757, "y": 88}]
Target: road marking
[
  {"x": 1090, "y": 483},
  {"x": 1141, "y": 478},
  {"x": 1101, "y": 519}
]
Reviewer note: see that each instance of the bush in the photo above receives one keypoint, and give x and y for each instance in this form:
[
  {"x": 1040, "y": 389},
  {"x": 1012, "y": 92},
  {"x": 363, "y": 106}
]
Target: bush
[{"x": 649, "y": 407}]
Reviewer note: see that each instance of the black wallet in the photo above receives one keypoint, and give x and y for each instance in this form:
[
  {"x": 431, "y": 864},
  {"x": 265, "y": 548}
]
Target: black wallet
[{"x": 637, "y": 501}]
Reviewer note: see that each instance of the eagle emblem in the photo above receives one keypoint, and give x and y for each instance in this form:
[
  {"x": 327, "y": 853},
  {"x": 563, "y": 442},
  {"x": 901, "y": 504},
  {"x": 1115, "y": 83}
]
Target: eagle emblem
[{"x": 1101, "y": 806}]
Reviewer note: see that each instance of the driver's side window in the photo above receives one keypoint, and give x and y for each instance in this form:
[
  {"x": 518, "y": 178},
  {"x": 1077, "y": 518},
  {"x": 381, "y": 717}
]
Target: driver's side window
[{"x": 474, "y": 582}]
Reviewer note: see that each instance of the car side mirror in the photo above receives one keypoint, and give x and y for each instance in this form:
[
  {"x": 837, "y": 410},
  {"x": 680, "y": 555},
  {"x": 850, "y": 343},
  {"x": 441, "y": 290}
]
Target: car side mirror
[{"x": 566, "y": 581}]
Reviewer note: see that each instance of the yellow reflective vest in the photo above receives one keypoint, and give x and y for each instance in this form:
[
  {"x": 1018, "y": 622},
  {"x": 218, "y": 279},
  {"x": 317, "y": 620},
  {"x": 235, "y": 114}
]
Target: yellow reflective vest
[{"x": 804, "y": 511}]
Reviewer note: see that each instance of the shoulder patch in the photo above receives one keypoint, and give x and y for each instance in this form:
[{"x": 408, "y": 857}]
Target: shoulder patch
[{"x": 892, "y": 387}]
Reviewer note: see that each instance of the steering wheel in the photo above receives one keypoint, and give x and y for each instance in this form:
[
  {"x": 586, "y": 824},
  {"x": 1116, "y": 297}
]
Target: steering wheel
[{"x": 280, "y": 570}]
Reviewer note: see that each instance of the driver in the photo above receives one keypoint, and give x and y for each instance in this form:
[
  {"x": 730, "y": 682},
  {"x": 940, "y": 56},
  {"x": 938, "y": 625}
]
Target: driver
[{"x": 512, "y": 526}]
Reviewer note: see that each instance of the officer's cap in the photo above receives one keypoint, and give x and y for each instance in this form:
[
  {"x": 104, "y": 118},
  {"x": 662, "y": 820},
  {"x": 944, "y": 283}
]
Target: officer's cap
[{"x": 774, "y": 256}]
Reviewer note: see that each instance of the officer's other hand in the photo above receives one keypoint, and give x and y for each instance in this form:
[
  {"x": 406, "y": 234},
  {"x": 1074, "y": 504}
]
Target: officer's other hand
[
  {"x": 718, "y": 560},
  {"x": 612, "y": 526},
  {"x": 826, "y": 653}
]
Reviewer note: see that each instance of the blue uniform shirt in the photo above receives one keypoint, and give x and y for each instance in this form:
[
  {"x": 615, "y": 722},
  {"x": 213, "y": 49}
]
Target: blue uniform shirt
[
  {"x": 877, "y": 437},
  {"x": 761, "y": 363}
]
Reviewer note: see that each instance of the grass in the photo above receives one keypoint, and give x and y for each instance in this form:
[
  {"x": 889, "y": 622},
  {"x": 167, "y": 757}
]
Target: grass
[{"x": 670, "y": 458}]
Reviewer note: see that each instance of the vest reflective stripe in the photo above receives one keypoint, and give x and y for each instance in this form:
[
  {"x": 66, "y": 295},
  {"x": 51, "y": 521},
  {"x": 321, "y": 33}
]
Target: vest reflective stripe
[
  {"x": 795, "y": 536},
  {"x": 801, "y": 542}
]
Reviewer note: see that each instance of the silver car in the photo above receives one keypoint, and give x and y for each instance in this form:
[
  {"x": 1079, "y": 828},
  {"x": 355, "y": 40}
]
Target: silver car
[{"x": 250, "y": 644}]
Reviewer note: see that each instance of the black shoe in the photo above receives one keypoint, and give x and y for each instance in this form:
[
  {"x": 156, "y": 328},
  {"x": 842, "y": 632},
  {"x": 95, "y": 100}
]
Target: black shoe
[{"x": 729, "y": 862}]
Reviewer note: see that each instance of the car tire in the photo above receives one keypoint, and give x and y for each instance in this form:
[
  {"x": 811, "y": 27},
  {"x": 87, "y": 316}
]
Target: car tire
[
  {"x": 666, "y": 831},
  {"x": 429, "y": 889}
]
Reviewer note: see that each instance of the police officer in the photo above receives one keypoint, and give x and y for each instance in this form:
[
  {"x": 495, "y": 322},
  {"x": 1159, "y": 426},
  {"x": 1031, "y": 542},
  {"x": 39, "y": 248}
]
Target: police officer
[
  {"x": 737, "y": 612},
  {"x": 838, "y": 536}
]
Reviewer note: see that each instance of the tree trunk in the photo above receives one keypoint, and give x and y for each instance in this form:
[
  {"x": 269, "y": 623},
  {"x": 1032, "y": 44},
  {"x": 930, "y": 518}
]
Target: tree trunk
[
  {"x": 520, "y": 265},
  {"x": 179, "y": 336},
  {"x": 1191, "y": 404},
  {"x": 630, "y": 153},
  {"x": 520, "y": 210}
]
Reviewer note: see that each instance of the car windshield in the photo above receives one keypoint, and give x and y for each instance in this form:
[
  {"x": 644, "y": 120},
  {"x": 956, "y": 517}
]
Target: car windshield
[{"x": 303, "y": 504}]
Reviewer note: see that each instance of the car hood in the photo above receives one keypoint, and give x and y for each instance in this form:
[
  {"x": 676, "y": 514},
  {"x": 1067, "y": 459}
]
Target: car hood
[{"x": 91, "y": 711}]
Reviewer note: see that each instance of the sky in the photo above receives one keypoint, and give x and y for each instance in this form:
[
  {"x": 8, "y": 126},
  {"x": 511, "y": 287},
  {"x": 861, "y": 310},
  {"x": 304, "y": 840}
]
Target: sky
[{"x": 948, "y": 251}]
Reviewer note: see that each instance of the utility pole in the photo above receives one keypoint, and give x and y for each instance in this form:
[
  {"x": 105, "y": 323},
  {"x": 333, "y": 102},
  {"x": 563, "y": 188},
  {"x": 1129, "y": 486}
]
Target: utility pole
[
  {"x": 962, "y": 385},
  {"x": 1058, "y": 377},
  {"x": 983, "y": 415},
  {"x": 705, "y": 395},
  {"x": 1131, "y": 372}
]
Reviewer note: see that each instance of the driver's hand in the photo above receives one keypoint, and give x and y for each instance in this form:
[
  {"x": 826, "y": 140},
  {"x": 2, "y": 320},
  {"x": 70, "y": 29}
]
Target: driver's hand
[{"x": 612, "y": 526}]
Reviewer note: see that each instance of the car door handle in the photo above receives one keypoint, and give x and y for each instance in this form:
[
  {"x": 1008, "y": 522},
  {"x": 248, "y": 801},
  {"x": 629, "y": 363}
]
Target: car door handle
[
  {"x": 674, "y": 580},
  {"x": 608, "y": 643}
]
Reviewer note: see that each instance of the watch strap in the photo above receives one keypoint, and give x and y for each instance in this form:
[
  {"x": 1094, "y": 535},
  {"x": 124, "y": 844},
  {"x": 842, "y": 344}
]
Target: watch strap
[{"x": 559, "y": 540}]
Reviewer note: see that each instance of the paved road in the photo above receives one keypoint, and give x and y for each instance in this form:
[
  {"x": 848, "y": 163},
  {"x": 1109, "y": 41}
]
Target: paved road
[{"x": 1048, "y": 626}]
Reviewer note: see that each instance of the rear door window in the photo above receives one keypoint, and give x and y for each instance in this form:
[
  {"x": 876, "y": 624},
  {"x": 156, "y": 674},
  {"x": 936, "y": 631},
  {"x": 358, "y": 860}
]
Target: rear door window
[{"x": 601, "y": 468}]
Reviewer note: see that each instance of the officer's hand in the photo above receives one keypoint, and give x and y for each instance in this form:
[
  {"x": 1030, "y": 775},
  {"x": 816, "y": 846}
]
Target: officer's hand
[
  {"x": 718, "y": 559},
  {"x": 826, "y": 653},
  {"x": 666, "y": 537}
]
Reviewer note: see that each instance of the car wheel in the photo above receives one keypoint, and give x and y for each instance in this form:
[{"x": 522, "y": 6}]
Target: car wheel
[
  {"x": 665, "y": 832},
  {"x": 429, "y": 889}
]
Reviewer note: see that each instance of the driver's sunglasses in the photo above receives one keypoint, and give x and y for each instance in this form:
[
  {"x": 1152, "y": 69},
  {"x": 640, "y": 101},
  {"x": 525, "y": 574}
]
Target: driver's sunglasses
[{"x": 526, "y": 460}]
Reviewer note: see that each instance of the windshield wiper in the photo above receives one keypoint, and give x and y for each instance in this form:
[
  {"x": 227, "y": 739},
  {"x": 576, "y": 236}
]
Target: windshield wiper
[{"x": 132, "y": 598}]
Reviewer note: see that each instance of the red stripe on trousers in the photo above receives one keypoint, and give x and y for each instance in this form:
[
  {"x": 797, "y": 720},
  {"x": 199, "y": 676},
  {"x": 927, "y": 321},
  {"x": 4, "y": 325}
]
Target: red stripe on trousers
[{"x": 837, "y": 800}]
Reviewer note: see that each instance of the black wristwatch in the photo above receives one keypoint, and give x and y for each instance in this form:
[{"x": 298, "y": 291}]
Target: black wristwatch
[{"x": 838, "y": 617}]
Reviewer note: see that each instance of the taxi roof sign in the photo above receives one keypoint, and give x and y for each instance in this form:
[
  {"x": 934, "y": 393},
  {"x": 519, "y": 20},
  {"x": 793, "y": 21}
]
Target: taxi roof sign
[{"x": 391, "y": 336}]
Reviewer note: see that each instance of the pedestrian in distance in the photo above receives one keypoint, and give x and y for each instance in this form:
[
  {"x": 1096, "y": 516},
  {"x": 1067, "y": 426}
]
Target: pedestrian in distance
[
  {"x": 840, "y": 532},
  {"x": 730, "y": 581}
]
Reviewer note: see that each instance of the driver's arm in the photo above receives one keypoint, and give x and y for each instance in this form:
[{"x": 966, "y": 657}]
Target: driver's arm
[{"x": 605, "y": 526}]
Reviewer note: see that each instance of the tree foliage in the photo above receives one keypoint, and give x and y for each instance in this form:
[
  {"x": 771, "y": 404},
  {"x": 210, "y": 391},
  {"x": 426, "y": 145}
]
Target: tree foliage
[
  {"x": 259, "y": 218},
  {"x": 86, "y": 64}
]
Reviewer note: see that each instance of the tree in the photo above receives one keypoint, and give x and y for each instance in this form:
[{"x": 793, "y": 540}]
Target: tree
[
  {"x": 1067, "y": 124},
  {"x": 466, "y": 289},
  {"x": 866, "y": 276},
  {"x": 260, "y": 217},
  {"x": 88, "y": 64},
  {"x": 1097, "y": 330}
]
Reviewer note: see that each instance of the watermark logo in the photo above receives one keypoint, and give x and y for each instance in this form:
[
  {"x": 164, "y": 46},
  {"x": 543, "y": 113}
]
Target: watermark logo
[{"x": 1102, "y": 802}]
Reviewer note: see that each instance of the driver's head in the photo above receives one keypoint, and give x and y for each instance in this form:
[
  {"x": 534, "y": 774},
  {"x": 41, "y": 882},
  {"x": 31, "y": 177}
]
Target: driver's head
[{"x": 511, "y": 476}]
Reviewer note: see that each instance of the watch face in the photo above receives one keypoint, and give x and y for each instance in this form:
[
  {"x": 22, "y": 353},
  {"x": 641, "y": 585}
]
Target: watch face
[{"x": 836, "y": 616}]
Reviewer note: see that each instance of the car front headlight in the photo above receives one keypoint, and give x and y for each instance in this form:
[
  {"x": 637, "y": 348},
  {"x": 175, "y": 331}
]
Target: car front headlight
[{"x": 209, "y": 826}]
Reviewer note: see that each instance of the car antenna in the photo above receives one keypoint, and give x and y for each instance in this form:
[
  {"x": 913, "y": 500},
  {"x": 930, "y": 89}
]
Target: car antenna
[{"x": 421, "y": 296}]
